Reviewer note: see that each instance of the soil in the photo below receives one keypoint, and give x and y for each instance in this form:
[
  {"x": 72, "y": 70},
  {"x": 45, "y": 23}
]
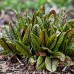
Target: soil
[{"x": 23, "y": 66}]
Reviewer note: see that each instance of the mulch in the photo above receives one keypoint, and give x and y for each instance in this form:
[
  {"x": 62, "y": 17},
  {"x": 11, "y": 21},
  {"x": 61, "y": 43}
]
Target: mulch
[{"x": 12, "y": 65}]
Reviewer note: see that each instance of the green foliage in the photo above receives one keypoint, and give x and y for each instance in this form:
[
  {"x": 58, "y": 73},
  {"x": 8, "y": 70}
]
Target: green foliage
[
  {"x": 21, "y": 4},
  {"x": 24, "y": 50},
  {"x": 40, "y": 62},
  {"x": 45, "y": 36},
  {"x": 61, "y": 3}
]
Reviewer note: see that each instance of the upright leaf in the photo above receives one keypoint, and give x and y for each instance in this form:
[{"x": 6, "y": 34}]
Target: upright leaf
[
  {"x": 53, "y": 43},
  {"x": 24, "y": 50},
  {"x": 43, "y": 37},
  {"x": 26, "y": 38},
  {"x": 36, "y": 29},
  {"x": 49, "y": 41},
  {"x": 36, "y": 42},
  {"x": 59, "y": 42},
  {"x": 40, "y": 63}
]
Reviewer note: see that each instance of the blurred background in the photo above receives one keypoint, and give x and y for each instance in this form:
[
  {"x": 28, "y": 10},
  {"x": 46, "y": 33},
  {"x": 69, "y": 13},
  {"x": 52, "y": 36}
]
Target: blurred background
[
  {"x": 21, "y": 5},
  {"x": 9, "y": 8}
]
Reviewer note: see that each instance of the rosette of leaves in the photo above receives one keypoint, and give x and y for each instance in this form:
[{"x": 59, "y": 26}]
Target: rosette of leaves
[
  {"x": 36, "y": 38},
  {"x": 43, "y": 48}
]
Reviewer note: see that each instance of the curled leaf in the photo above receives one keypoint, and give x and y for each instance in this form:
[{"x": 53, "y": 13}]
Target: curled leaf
[{"x": 51, "y": 64}]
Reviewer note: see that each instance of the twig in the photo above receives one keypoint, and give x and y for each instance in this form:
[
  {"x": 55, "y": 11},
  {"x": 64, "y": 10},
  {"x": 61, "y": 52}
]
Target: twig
[
  {"x": 19, "y": 61},
  {"x": 64, "y": 68}
]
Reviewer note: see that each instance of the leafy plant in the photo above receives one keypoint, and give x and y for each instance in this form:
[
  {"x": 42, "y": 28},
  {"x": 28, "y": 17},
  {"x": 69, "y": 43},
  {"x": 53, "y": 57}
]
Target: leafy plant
[{"x": 43, "y": 38}]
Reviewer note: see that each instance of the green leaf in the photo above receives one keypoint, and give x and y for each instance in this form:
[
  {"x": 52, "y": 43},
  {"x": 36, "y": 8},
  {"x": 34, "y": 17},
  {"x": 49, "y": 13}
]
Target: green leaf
[
  {"x": 40, "y": 23},
  {"x": 70, "y": 50},
  {"x": 36, "y": 42},
  {"x": 46, "y": 49},
  {"x": 8, "y": 45},
  {"x": 12, "y": 47},
  {"x": 51, "y": 64},
  {"x": 49, "y": 41},
  {"x": 12, "y": 30},
  {"x": 24, "y": 50},
  {"x": 36, "y": 29},
  {"x": 26, "y": 38},
  {"x": 43, "y": 37},
  {"x": 36, "y": 14},
  {"x": 40, "y": 63},
  {"x": 58, "y": 55},
  {"x": 59, "y": 42},
  {"x": 53, "y": 43},
  {"x": 70, "y": 23},
  {"x": 67, "y": 42},
  {"x": 4, "y": 44},
  {"x": 5, "y": 52},
  {"x": 32, "y": 59},
  {"x": 69, "y": 34}
]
